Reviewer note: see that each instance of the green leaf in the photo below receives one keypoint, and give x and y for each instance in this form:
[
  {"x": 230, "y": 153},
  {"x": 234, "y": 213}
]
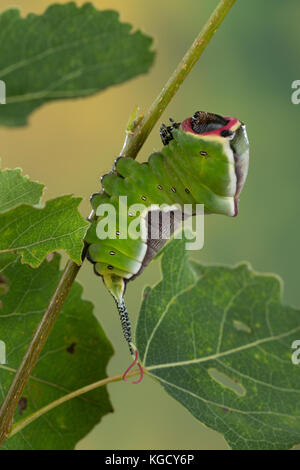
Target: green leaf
[
  {"x": 16, "y": 189},
  {"x": 34, "y": 232},
  {"x": 67, "y": 52},
  {"x": 219, "y": 341},
  {"x": 76, "y": 354}
]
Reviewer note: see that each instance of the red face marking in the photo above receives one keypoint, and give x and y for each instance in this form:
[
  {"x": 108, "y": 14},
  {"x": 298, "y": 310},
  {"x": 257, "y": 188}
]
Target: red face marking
[{"x": 187, "y": 126}]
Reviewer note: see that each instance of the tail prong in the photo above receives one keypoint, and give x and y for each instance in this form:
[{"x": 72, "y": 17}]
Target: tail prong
[{"x": 126, "y": 327}]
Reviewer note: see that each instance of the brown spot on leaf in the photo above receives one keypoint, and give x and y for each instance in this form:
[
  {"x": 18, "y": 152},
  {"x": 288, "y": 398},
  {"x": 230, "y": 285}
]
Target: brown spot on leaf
[
  {"x": 3, "y": 285},
  {"x": 22, "y": 405},
  {"x": 71, "y": 348}
]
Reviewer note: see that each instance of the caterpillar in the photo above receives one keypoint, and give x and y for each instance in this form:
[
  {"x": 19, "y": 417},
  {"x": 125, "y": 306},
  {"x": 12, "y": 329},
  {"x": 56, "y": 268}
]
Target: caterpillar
[{"x": 204, "y": 160}]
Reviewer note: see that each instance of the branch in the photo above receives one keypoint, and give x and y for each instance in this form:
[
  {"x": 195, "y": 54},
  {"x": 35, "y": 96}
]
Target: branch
[
  {"x": 133, "y": 143},
  {"x": 135, "y": 140},
  {"x": 77, "y": 393},
  {"x": 34, "y": 349}
]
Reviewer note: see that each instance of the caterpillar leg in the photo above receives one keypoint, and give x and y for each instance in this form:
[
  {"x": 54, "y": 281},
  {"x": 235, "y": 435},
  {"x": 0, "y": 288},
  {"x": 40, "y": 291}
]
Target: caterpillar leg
[{"x": 166, "y": 131}]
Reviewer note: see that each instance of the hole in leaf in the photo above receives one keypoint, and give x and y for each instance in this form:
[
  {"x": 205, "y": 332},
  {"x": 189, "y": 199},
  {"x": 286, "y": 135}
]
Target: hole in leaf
[
  {"x": 50, "y": 256},
  {"x": 240, "y": 326},
  {"x": 226, "y": 381}
]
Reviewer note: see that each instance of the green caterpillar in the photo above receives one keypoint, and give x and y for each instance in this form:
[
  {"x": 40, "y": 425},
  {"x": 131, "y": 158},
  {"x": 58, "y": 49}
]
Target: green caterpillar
[{"x": 204, "y": 161}]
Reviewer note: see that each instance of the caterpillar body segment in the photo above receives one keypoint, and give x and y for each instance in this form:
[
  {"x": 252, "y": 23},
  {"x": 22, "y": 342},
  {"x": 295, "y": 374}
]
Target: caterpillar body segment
[{"x": 204, "y": 161}]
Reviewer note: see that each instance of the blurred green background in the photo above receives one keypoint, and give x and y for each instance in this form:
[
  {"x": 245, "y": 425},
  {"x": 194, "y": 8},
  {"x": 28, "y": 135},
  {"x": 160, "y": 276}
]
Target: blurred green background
[{"x": 246, "y": 72}]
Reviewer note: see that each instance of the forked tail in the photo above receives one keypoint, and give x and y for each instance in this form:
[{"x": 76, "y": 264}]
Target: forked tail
[{"x": 126, "y": 327}]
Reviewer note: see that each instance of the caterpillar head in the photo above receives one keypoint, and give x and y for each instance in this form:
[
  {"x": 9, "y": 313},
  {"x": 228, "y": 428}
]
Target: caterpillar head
[{"x": 217, "y": 149}]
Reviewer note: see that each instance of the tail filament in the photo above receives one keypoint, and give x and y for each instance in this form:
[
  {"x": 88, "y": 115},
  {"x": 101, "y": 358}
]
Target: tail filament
[{"x": 126, "y": 327}]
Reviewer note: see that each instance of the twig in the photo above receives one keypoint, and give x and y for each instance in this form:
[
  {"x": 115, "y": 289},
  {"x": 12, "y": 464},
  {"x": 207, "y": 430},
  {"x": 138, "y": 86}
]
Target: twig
[
  {"x": 135, "y": 141},
  {"x": 87, "y": 388},
  {"x": 132, "y": 145},
  {"x": 35, "y": 347}
]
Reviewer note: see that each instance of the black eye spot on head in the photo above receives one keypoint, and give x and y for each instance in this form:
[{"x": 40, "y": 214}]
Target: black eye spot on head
[
  {"x": 159, "y": 187},
  {"x": 203, "y": 153},
  {"x": 206, "y": 122},
  {"x": 117, "y": 233},
  {"x": 112, "y": 253},
  {"x": 173, "y": 189},
  {"x": 110, "y": 266},
  {"x": 226, "y": 133},
  {"x": 143, "y": 198},
  {"x": 187, "y": 190}
]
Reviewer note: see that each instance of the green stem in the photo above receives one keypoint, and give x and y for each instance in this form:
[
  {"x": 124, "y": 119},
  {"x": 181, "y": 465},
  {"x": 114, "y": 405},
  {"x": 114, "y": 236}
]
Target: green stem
[
  {"x": 34, "y": 349},
  {"x": 88, "y": 388},
  {"x": 132, "y": 145},
  {"x": 135, "y": 141}
]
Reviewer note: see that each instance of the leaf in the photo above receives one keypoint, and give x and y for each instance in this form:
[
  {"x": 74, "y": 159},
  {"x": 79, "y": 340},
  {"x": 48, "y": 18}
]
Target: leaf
[
  {"x": 76, "y": 354},
  {"x": 67, "y": 52},
  {"x": 219, "y": 341},
  {"x": 16, "y": 189},
  {"x": 34, "y": 232}
]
